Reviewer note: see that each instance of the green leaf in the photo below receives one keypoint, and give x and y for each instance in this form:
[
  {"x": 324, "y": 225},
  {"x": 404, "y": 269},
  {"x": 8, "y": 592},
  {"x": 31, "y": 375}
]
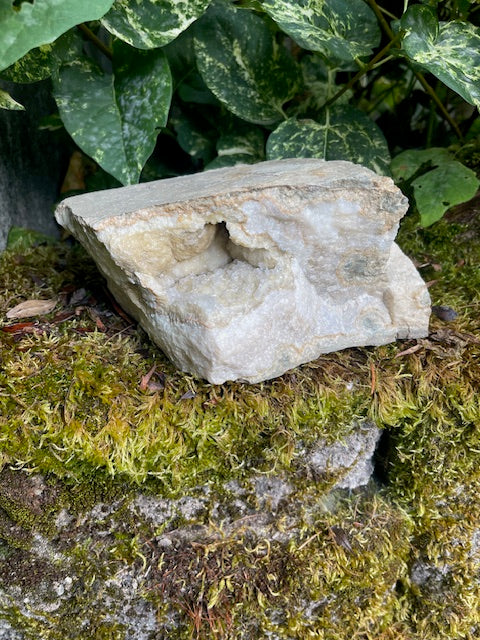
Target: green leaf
[
  {"x": 344, "y": 133},
  {"x": 407, "y": 163},
  {"x": 340, "y": 30},
  {"x": 34, "y": 66},
  {"x": 474, "y": 132},
  {"x": 194, "y": 89},
  {"x": 7, "y": 102},
  {"x": 245, "y": 146},
  {"x": 147, "y": 24},
  {"x": 195, "y": 137},
  {"x": 449, "y": 50},
  {"x": 436, "y": 191},
  {"x": 443, "y": 183},
  {"x": 187, "y": 81},
  {"x": 41, "y": 22},
  {"x": 319, "y": 86},
  {"x": 386, "y": 92},
  {"x": 420, "y": 23},
  {"x": 39, "y": 64},
  {"x": 243, "y": 65},
  {"x": 115, "y": 118},
  {"x": 181, "y": 55}
]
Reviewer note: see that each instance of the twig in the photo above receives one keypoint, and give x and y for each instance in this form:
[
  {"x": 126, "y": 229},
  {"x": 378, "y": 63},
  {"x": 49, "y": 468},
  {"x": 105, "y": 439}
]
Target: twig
[
  {"x": 307, "y": 541},
  {"x": 378, "y": 12},
  {"x": 373, "y": 378}
]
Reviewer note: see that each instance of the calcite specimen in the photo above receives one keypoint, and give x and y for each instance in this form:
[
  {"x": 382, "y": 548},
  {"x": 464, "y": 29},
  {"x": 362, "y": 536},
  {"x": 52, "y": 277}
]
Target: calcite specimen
[{"x": 243, "y": 273}]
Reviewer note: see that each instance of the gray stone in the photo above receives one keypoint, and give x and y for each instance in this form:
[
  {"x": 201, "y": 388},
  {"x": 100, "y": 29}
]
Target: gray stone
[
  {"x": 246, "y": 272},
  {"x": 351, "y": 459},
  {"x": 7, "y": 632},
  {"x": 428, "y": 575},
  {"x": 32, "y": 162}
]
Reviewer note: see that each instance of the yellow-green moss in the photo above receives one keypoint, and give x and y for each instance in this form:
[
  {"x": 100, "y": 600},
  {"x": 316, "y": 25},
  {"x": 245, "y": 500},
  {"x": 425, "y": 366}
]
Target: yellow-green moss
[
  {"x": 72, "y": 402},
  {"x": 71, "y": 407}
]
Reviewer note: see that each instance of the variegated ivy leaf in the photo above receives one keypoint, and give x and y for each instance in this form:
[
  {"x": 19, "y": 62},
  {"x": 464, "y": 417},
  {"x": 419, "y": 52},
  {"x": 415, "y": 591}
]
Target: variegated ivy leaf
[
  {"x": 243, "y": 65},
  {"x": 340, "y": 30},
  {"x": 33, "y": 24},
  {"x": 41, "y": 62},
  {"x": 115, "y": 118},
  {"x": 449, "y": 50},
  {"x": 7, "y": 102},
  {"x": 147, "y": 24},
  {"x": 186, "y": 79},
  {"x": 34, "y": 66},
  {"x": 344, "y": 133}
]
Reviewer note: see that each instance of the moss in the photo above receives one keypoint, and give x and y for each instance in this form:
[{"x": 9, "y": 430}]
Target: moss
[
  {"x": 72, "y": 403},
  {"x": 348, "y": 566},
  {"x": 435, "y": 455},
  {"x": 402, "y": 562}
]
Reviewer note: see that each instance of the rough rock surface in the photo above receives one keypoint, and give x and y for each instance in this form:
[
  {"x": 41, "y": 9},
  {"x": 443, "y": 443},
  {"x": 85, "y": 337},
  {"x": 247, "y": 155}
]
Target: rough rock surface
[
  {"x": 354, "y": 455},
  {"x": 109, "y": 564},
  {"x": 246, "y": 272}
]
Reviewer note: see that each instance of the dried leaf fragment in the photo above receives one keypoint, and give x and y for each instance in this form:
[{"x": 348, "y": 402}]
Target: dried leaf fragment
[
  {"x": 96, "y": 318},
  {"x": 31, "y": 308},
  {"x": 144, "y": 382},
  {"x": 340, "y": 537},
  {"x": 19, "y": 327},
  {"x": 75, "y": 177}
]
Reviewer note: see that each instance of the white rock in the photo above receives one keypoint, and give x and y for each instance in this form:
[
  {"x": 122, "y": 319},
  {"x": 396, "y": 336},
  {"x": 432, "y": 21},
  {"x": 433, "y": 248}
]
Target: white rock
[{"x": 246, "y": 272}]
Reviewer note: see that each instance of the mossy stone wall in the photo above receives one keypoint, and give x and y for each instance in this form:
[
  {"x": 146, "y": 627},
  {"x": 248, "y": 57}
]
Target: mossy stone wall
[{"x": 137, "y": 507}]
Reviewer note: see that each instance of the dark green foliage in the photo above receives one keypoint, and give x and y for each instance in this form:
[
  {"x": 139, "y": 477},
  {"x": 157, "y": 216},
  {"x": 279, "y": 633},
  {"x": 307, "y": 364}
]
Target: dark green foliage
[{"x": 240, "y": 81}]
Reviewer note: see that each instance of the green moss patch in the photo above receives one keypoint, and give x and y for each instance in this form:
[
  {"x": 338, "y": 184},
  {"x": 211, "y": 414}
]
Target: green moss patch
[
  {"x": 79, "y": 403},
  {"x": 73, "y": 399}
]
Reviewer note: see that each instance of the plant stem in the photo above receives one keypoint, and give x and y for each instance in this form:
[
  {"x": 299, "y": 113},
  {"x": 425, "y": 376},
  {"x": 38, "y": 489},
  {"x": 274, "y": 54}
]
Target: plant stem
[
  {"x": 371, "y": 63},
  {"x": 387, "y": 13},
  {"x": 431, "y": 92},
  {"x": 420, "y": 76},
  {"x": 384, "y": 24},
  {"x": 96, "y": 41}
]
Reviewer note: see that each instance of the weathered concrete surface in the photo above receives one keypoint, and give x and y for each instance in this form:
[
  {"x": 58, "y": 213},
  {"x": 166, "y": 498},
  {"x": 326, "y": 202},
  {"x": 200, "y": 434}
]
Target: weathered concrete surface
[
  {"x": 246, "y": 272},
  {"x": 32, "y": 162},
  {"x": 112, "y": 565}
]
